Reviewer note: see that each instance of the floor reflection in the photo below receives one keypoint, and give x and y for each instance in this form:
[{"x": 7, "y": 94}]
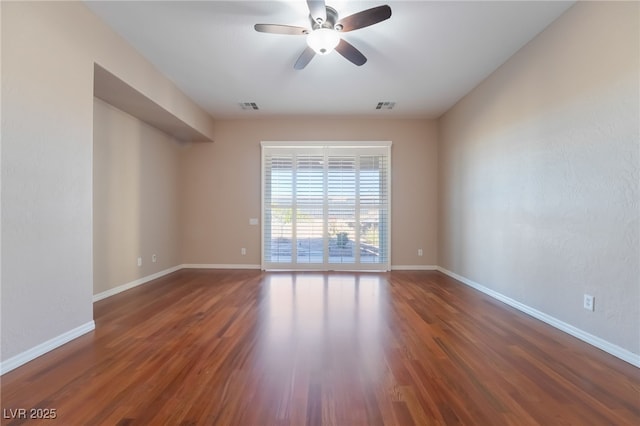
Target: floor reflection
[
  {"x": 306, "y": 306},
  {"x": 318, "y": 325}
]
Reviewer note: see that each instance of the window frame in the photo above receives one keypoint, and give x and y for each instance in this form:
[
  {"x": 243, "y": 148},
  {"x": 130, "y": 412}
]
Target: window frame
[{"x": 359, "y": 148}]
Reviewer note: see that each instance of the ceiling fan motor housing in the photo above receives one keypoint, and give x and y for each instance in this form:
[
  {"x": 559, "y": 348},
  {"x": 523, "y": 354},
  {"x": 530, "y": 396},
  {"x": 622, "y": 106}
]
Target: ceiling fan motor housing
[{"x": 329, "y": 23}]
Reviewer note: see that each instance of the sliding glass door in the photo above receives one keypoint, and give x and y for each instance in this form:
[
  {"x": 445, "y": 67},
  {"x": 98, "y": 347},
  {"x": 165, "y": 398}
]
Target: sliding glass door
[{"x": 325, "y": 207}]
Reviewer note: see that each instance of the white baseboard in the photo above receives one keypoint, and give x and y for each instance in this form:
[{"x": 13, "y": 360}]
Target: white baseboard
[
  {"x": 136, "y": 283},
  {"x": 41, "y": 349},
  {"x": 214, "y": 266},
  {"x": 414, "y": 268},
  {"x": 250, "y": 266},
  {"x": 615, "y": 350}
]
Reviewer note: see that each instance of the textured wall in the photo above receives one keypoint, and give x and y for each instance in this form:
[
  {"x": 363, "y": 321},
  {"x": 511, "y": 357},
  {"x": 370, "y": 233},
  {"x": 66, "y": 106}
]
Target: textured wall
[
  {"x": 46, "y": 182},
  {"x": 222, "y": 185},
  {"x": 539, "y": 174},
  {"x": 136, "y": 207},
  {"x": 48, "y": 55}
]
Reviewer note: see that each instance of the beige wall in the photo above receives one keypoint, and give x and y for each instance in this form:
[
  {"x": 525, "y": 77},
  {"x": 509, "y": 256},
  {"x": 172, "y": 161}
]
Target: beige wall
[
  {"x": 221, "y": 185},
  {"x": 48, "y": 55},
  {"x": 136, "y": 203},
  {"x": 539, "y": 174}
]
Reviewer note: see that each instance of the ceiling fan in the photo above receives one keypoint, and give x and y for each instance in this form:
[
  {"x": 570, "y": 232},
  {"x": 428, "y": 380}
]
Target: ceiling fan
[{"x": 324, "y": 35}]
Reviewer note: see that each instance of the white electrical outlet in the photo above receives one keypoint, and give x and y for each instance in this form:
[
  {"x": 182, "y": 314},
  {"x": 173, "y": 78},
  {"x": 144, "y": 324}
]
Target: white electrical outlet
[
  {"x": 154, "y": 258},
  {"x": 419, "y": 252},
  {"x": 243, "y": 251},
  {"x": 139, "y": 261},
  {"x": 589, "y": 302},
  {"x": 253, "y": 221}
]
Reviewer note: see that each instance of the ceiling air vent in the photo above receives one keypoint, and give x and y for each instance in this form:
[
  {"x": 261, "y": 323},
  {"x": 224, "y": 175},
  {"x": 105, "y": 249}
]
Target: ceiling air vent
[
  {"x": 249, "y": 106},
  {"x": 385, "y": 105}
]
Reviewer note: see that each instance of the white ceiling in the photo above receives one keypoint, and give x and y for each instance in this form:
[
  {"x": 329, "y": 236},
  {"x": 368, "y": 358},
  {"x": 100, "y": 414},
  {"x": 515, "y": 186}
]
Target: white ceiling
[{"x": 426, "y": 57}]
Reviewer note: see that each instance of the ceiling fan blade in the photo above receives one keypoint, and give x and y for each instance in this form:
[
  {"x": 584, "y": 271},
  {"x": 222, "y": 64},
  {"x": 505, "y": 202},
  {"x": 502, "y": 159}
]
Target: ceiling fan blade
[
  {"x": 364, "y": 18},
  {"x": 305, "y": 58},
  {"x": 280, "y": 29},
  {"x": 318, "y": 10},
  {"x": 351, "y": 53}
]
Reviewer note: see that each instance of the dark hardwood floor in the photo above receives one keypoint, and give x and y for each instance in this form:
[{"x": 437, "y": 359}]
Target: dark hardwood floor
[{"x": 203, "y": 347}]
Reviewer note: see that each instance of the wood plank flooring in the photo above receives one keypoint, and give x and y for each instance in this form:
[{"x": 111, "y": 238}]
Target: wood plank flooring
[{"x": 203, "y": 347}]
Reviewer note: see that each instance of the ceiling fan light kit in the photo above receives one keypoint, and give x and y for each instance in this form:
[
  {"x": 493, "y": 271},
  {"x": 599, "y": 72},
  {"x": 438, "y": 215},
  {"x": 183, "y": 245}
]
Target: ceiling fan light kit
[
  {"x": 324, "y": 35},
  {"x": 323, "y": 40}
]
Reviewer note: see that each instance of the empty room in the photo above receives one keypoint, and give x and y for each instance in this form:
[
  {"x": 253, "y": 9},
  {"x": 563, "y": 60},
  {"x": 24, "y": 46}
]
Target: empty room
[{"x": 320, "y": 213}]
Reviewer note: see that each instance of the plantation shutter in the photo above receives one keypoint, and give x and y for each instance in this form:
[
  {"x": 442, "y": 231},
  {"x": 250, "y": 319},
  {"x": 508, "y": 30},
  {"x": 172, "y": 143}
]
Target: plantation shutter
[{"x": 326, "y": 206}]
